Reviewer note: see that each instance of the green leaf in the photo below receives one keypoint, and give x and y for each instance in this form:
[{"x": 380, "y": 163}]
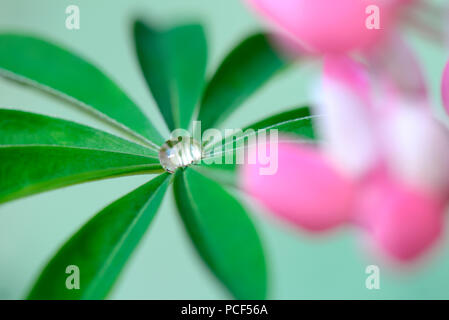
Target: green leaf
[
  {"x": 41, "y": 64},
  {"x": 298, "y": 122},
  {"x": 25, "y": 128},
  {"x": 174, "y": 63},
  {"x": 222, "y": 233},
  {"x": 26, "y": 170},
  {"x": 246, "y": 69},
  {"x": 101, "y": 248}
]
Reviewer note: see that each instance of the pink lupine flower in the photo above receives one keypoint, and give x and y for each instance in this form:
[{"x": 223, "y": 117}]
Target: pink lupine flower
[
  {"x": 303, "y": 177},
  {"x": 343, "y": 26},
  {"x": 445, "y": 88},
  {"x": 402, "y": 221},
  {"x": 326, "y": 25},
  {"x": 382, "y": 165}
]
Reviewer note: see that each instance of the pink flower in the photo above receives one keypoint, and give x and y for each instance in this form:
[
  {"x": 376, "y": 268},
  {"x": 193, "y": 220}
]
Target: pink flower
[
  {"x": 343, "y": 26},
  {"x": 383, "y": 164},
  {"x": 445, "y": 88},
  {"x": 304, "y": 178},
  {"x": 403, "y": 221}
]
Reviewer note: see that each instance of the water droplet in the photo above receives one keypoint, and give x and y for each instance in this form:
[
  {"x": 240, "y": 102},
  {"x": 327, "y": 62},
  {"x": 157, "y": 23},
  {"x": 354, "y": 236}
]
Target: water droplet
[{"x": 179, "y": 153}]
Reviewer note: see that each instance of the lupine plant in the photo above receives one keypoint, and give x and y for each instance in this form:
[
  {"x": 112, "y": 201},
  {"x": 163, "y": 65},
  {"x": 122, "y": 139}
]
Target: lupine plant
[{"x": 40, "y": 153}]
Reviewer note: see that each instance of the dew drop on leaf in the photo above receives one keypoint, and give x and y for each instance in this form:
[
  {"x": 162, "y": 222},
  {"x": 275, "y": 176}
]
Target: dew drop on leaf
[{"x": 178, "y": 153}]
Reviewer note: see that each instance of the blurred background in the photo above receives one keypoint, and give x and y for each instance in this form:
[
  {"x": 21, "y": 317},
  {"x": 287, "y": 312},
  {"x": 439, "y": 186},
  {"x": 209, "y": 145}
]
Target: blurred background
[{"x": 165, "y": 265}]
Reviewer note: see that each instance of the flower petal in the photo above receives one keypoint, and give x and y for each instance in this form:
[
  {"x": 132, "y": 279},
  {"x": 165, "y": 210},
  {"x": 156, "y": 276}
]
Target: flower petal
[
  {"x": 398, "y": 69},
  {"x": 328, "y": 26},
  {"x": 306, "y": 190},
  {"x": 417, "y": 148},
  {"x": 403, "y": 222},
  {"x": 346, "y": 124},
  {"x": 445, "y": 88}
]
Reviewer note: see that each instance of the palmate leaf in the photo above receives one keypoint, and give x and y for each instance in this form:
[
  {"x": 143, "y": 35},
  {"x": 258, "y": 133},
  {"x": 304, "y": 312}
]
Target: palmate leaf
[
  {"x": 26, "y": 170},
  {"x": 217, "y": 223},
  {"x": 26, "y": 128},
  {"x": 297, "y": 123},
  {"x": 244, "y": 70},
  {"x": 223, "y": 234},
  {"x": 173, "y": 62},
  {"x": 101, "y": 248},
  {"x": 44, "y": 65}
]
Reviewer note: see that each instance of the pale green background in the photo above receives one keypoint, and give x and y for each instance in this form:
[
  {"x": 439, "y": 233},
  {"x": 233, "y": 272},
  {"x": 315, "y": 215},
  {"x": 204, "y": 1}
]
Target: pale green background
[{"x": 165, "y": 266}]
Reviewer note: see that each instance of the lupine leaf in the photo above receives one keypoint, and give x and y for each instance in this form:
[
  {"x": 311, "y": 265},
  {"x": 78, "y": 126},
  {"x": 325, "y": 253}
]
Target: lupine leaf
[
  {"x": 26, "y": 170},
  {"x": 246, "y": 69},
  {"x": 223, "y": 234},
  {"x": 297, "y": 122},
  {"x": 101, "y": 248},
  {"x": 26, "y": 128},
  {"x": 173, "y": 62},
  {"x": 46, "y": 66}
]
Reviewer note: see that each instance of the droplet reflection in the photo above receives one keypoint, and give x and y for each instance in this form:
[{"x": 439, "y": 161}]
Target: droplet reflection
[{"x": 179, "y": 153}]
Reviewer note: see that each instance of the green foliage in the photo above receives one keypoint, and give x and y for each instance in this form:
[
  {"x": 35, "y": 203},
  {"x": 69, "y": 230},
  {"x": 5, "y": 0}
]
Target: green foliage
[
  {"x": 41, "y": 64},
  {"x": 244, "y": 70},
  {"x": 296, "y": 122},
  {"x": 30, "y": 169},
  {"x": 223, "y": 234},
  {"x": 25, "y": 128},
  {"x": 40, "y": 153},
  {"x": 101, "y": 248},
  {"x": 174, "y": 63}
]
